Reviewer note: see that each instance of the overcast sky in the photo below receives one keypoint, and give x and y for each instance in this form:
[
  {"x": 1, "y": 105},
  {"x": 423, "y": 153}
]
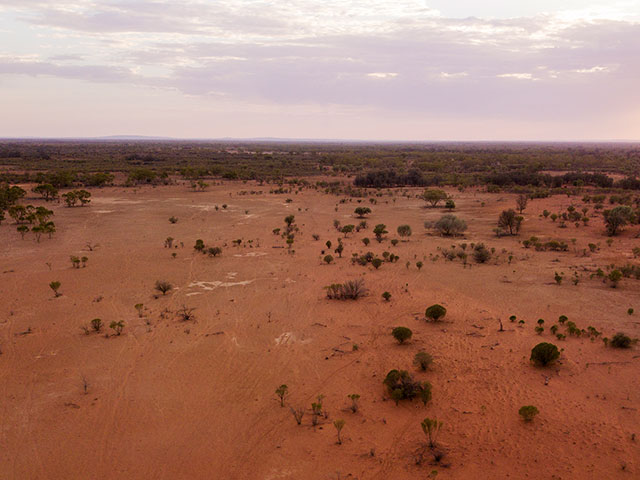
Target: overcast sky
[{"x": 364, "y": 69}]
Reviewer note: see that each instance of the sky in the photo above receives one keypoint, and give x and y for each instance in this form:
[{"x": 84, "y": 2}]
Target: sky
[{"x": 409, "y": 70}]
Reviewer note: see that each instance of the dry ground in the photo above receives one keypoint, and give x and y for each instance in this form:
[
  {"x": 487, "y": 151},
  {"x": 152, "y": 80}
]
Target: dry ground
[{"x": 184, "y": 400}]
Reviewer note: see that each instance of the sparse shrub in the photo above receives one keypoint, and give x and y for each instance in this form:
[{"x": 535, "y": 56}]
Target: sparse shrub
[
  {"x": 214, "y": 251},
  {"x": 394, "y": 242},
  {"x": 450, "y": 204},
  {"x": 528, "y": 412},
  {"x": 376, "y": 262},
  {"x": 366, "y": 241},
  {"x": 401, "y": 334},
  {"x": 422, "y": 360},
  {"x": 354, "y": 397},
  {"x": 512, "y": 318},
  {"x": 404, "y": 230},
  {"x": 539, "y": 330},
  {"x": 431, "y": 428},
  {"x": 173, "y": 220},
  {"x": 328, "y": 259},
  {"x": 562, "y": 318},
  {"x": 544, "y": 354},
  {"x": 339, "y": 424},
  {"x": 297, "y": 413},
  {"x": 140, "y": 308},
  {"x": 425, "y": 392},
  {"x": 419, "y": 265},
  {"x": 55, "y": 286},
  {"x": 386, "y": 296},
  {"x": 435, "y": 312},
  {"x": 186, "y": 314},
  {"x": 350, "y": 290},
  {"x": 199, "y": 246},
  {"x": 281, "y": 392},
  {"x": 630, "y": 311},
  {"x": 558, "y": 278},
  {"x": 163, "y": 286}
]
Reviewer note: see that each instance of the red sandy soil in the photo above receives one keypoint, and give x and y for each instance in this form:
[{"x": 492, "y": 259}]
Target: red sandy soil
[{"x": 187, "y": 400}]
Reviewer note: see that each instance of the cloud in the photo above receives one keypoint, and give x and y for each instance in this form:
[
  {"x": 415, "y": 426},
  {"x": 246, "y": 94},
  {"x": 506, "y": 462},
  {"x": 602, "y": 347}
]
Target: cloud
[{"x": 381, "y": 55}]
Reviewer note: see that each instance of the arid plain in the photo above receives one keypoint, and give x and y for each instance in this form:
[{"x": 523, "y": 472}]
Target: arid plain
[{"x": 173, "y": 399}]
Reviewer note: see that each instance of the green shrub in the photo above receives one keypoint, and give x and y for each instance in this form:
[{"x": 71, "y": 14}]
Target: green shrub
[
  {"x": 620, "y": 340},
  {"x": 435, "y": 312},
  {"x": 544, "y": 354},
  {"x": 401, "y": 385},
  {"x": 401, "y": 334},
  {"x": 528, "y": 412},
  {"x": 386, "y": 296},
  {"x": 328, "y": 259}
]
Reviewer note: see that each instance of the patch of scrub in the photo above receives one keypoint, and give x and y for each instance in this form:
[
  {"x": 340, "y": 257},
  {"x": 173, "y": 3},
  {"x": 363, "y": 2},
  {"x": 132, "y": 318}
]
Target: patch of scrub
[{"x": 213, "y": 285}]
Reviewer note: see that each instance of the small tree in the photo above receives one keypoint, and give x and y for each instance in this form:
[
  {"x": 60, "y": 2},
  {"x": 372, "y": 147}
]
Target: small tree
[
  {"x": 163, "y": 286},
  {"x": 528, "y": 412},
  {"x": 22, "y": 229},
  {"x": 328, "y": 259},
  {"x": 419, "y": 265},
  {"x": 366, "y": 241},
  {"x": 435, "y": 312},
  {"x": 347, "y": 229},
  {"x": 55, "y": 286},
  {"x": 376, "y": 262},
  {"x": 401, "y": 334},
  {"x": 422, "y": 360},
  {"x": 339, "y": 424},
  {"x": 433, "y": 196},
  {"x": 544, "y": 354},
  {"x": 521, "y": 202},
  {"x": 614, "y": 277},
  {"x": 362, "y": 212},
  {"x": 117, "y": 327},
  {"x": 509, "y": 221},
  {"x": 199, "y": 246},
  {"x": 386, "y": 296},
  {"x": 281, "y": 392},
  {"x": 379, "y": 231},
  {"x": 450, "y": 204},
  {"x": 616, "y": 218}
]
